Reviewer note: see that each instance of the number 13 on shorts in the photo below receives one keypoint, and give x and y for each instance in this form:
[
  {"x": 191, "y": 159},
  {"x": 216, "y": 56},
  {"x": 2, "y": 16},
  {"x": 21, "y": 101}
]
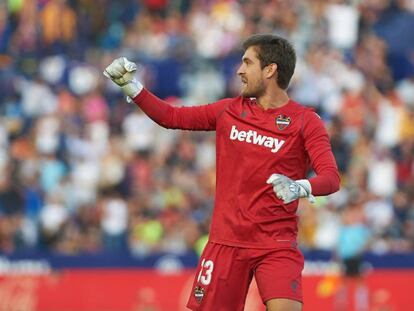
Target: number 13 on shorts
[{"x": 206, "y": 271}]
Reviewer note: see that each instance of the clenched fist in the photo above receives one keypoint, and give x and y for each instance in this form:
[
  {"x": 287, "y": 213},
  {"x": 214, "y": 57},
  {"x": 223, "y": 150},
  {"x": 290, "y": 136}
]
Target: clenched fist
[
  {"x": 122, "y": 72},
  {"x": 289, "y": 190}
]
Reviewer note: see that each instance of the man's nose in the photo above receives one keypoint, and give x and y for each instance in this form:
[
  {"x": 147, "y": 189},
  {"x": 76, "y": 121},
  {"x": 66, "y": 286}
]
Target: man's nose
[{"x": 240, "y": 71}]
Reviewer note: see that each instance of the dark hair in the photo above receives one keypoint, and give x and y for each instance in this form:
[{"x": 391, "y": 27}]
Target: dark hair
[{"x": 274, "y": 49}]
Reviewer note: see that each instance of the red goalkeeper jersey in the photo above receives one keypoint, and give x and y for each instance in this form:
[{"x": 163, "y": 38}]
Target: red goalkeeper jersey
[{"x": 251, "y": 144}]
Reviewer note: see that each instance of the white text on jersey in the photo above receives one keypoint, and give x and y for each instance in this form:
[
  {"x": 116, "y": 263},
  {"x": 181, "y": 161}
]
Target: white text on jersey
[{"x": 252, "y": 137}]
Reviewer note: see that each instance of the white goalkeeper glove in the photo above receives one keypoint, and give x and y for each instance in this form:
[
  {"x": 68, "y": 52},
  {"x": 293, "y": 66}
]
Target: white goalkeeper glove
[
  {"x": 121, "y": 71},
  {"x": 290, "y": 190}
]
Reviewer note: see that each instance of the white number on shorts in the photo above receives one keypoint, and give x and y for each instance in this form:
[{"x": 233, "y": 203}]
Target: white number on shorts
[{"x": 205, "y": 278}]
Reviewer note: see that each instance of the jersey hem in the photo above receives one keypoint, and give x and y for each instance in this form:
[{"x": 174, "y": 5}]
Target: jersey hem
[{"x": 282, "y": 243}]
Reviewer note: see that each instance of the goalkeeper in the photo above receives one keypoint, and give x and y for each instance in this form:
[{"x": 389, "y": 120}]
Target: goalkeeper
[{"x": 265, "y": 144}]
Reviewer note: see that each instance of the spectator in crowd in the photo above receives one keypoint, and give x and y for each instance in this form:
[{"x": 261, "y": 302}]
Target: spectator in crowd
[
  {"x": 79, "y": 174},
  {"x": 353, "y": 241}
]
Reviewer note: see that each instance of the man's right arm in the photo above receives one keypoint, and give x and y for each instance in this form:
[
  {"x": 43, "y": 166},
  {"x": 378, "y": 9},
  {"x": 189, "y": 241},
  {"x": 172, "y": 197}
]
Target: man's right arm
[
  {"x": 187, "y": 118},
  {"x": 121, "y": 71}
]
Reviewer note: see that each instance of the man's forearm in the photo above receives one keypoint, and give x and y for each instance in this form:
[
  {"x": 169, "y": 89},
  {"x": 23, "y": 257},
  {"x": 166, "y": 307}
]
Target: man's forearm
[
  {"x": 194, "y": 118},
  {"x": 325, "y": 184},
  {"x": 158, "y": 110}
]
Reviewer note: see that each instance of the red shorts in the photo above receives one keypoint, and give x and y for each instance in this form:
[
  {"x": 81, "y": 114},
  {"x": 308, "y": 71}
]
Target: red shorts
[{"x": 224, "y": 274}]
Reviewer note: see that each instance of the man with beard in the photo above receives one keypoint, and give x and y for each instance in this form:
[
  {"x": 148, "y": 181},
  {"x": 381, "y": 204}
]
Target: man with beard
[{"x": 265, "y": 144}]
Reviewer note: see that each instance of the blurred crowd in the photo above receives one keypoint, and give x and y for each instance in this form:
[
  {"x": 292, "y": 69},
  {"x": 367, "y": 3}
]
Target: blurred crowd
[{"x": 82, "y": 171}]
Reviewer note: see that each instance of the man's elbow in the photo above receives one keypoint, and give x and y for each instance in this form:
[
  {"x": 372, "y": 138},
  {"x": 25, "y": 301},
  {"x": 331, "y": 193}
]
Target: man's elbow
[{"x": 335, "y": 183}]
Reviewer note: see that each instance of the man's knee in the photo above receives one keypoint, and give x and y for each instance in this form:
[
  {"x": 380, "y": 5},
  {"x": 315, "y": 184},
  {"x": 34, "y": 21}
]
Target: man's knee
[{"x": 282, "y": 304}]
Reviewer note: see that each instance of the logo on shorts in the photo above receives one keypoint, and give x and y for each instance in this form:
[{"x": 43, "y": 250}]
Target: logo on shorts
[
  {"x": 282, "y": 122},
  {"x": 294, "y": 285},
  {"x": 199, "y": 293}
]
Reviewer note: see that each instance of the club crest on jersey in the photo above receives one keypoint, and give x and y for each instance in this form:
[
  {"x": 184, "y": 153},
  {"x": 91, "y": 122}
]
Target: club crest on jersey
[
  {"x": 282, "y": 122},
  {"x": 199, "y": 293}
]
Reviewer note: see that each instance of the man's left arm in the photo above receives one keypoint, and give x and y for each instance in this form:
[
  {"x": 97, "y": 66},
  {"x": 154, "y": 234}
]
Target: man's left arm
[{"x": 318, "y": 148}]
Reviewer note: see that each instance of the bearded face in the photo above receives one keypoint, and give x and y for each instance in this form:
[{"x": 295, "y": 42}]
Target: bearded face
[
  {"x": 251, "y": 75},
  {"x": 252, "y": 86}
]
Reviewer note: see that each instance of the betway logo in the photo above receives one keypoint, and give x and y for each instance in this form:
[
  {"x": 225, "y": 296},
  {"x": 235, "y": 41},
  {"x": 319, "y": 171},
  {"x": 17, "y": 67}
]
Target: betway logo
[{"x": 252, "y": 137}]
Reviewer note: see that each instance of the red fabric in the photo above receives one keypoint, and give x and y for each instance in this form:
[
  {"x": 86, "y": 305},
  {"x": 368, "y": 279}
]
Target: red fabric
[
  {"x": 156, "y": 4},
  {"x": 251, "y": 147},
  {"x": 224, "y": 274}
]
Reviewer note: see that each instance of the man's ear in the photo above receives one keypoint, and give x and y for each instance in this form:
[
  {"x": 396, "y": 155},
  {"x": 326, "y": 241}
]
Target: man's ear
[{"x": 271, "y": 70}]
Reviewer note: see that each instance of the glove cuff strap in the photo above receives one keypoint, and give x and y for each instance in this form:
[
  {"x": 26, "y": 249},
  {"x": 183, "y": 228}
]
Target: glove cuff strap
[
  {"x": 305, "y": 189},
  {"x": 132, "y": 88}
]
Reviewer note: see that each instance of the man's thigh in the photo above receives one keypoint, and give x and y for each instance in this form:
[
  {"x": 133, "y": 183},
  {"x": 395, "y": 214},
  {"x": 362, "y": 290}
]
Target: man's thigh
[
  {"x": 222, "y": 280},
  {"x": 279, "y": 277},
  {"x": 282, "y": 304}
]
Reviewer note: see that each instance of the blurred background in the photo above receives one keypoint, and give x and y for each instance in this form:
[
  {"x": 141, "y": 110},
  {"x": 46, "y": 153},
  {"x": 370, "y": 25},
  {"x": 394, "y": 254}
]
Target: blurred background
[{"x": 102, "y": 209}]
